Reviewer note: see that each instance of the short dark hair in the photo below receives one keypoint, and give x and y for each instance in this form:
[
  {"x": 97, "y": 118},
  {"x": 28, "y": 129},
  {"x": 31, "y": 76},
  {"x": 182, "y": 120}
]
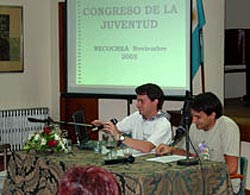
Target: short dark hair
[
  {"x": 208, "y": 103},
  {"x": 153, "y": 92},
  {"x": 91, "y": 179}
]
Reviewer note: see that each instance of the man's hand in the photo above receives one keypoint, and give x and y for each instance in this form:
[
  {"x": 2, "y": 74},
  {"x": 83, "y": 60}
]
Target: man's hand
[
  {"x": 97, "y": 123},
  {"x": 163, "y": 149},
  {"x": 110, "y": 128}
]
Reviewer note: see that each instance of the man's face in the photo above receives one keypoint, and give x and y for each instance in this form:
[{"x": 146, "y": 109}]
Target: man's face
[
  {"x": 202, "y": 120},
  {"x": 145, "y": 106}
]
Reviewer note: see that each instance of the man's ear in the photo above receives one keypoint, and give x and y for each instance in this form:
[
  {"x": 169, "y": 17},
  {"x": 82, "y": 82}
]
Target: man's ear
[
  {"x": 156, "y": 101},
  {"x": 213, "y": 115}
]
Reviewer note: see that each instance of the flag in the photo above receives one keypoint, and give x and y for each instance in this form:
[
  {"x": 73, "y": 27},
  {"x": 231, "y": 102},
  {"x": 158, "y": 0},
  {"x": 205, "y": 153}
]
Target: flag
[{"x": 198, "y": 21}]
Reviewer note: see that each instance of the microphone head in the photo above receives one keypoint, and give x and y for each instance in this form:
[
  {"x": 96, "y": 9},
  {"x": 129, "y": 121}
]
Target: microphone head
[
  {"x": 130, "y": 159},
  {"x": 180, "y": 131},
  {"x": 96, "y": 128},
  {"x": 179, "y": 134},
  {"x": 35, "y": 120},
  {"x": 32, "y": 119},
  {"x": 114, "y": 121}
]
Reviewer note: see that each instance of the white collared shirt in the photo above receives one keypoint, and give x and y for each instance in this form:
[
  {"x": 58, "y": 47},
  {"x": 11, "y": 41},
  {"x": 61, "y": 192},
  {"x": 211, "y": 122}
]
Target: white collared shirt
[{"x": 156, "y": 130}]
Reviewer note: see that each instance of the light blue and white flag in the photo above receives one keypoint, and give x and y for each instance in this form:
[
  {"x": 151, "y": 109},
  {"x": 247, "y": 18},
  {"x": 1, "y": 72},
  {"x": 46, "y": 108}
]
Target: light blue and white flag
[{"x": 198, "y": 21}]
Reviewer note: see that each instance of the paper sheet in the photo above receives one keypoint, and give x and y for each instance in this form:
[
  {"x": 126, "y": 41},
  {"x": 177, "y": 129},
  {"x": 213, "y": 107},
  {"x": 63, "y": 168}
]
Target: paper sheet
[{"x": 166, "y": 159}]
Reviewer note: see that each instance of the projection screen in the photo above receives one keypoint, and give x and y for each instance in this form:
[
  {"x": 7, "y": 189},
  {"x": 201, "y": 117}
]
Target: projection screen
[{"x": 113, "y": 46}]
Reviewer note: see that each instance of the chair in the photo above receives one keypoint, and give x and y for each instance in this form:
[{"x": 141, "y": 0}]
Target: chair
[
  {"x": 5, "y": 150},
  {"x": 242, "y": 175},
  {"x": 82, "y": 135}
]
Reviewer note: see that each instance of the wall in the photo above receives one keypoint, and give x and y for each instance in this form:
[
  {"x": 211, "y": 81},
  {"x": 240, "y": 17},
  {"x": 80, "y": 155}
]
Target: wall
[{"x": 38, "y": 84}]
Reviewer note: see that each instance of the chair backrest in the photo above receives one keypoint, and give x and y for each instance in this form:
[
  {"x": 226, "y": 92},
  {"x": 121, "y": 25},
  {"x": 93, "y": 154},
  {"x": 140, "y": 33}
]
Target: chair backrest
[
  {"x": 5, "y": 150},
  {"x": 242, "y": 175},
  {"x": 243, "y": 171},
  {"x": 82, "y": 135}
]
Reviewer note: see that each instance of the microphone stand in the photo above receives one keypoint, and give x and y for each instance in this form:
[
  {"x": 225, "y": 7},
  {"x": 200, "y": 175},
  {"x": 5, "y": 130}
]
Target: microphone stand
[
  {"x": 186, "y": 116},
  {"x": 50, "y": 121},
  {"x": 82, "y": 141}
]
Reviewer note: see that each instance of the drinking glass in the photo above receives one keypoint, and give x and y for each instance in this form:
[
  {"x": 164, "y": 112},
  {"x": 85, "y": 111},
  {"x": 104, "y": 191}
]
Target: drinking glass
[
  {"x": 127, "y": 151},
  {"x": 111, "y": 146},
  {"x": 98, "y": 147}
]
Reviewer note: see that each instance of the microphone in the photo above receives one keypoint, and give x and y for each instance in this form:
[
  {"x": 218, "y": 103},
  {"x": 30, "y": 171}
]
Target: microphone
[
  {"x": 130, "y": 160},
  {"x": 35, "y": 120},
  {"x": 96, "y": 128},
  {"x": 184, "y": 123},
  {"x": 114, "y": 121},
  {"x": 179, "y": 134},
  {"x": 49, "y": 120}
]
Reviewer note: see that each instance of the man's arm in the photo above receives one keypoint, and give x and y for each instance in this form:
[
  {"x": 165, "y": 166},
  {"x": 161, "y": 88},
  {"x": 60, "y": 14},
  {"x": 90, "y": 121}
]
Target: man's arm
[
  {"x": 141, "y": 145},
  {"x": 163, "y": 149},
  {"x": 232, "y": 164}
]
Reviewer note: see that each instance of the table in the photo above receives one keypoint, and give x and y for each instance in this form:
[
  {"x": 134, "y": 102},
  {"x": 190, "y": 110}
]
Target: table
[{"x": 33, "y": 173}]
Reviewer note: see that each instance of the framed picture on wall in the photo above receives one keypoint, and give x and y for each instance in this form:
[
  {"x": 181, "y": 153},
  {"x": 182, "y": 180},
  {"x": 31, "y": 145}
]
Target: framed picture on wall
[{"x": 11, "y": 39}]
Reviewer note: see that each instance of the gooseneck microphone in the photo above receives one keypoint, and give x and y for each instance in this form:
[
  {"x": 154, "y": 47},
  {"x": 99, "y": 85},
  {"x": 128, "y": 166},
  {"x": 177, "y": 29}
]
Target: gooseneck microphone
[
  {"x": 182, "y": 129},
  {"x": 179, "y": 134},
  {"x": 186, "y": 122},
  {"x": 49, "y": 121}
]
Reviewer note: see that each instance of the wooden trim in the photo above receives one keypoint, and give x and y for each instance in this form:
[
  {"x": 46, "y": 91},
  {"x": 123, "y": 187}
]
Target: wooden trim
[
  {"x": 68, "y": 105},
  {"x": 61, "y": 23}
]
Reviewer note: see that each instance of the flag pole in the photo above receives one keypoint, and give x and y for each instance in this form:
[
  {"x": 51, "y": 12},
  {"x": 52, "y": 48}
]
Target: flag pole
[
  {"x": 198, "y": 21},
  {"x": 202, "y": 77}
]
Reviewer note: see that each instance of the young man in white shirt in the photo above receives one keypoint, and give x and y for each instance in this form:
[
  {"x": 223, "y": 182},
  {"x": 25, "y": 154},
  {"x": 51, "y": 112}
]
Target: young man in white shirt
[{"x": 149, "y": 126}]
